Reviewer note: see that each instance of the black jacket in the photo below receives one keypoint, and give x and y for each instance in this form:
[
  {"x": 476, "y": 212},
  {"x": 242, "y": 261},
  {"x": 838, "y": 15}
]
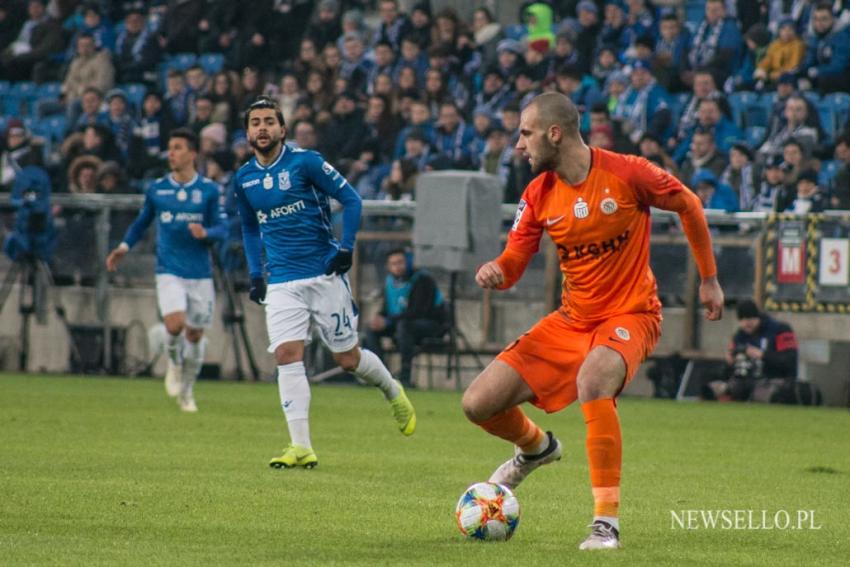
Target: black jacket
[{"x": 779, "y": 344}]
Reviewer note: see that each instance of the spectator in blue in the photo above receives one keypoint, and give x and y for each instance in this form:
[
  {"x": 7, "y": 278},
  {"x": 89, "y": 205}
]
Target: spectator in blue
[
  {"x": 413, "y": 57},
  {"x": 120, "y": 120},
  {"x": 644, "y": 106},
  {"x": 177, "y": 96},
  {"x": 806, "y": 198},
  {"x": 93, "y": 22},
  {"x": 148, "y": 146},
  {"x": 136, "y": 50},
  {"x": 772, "y": 184},
  {"x": 495, "y": 93},
  {"x": 580, "y": 88},
  {"x": 508, "y": 58},
  {"x": 565, "y": 53},
  {"x": 702, "y": 154},
  {"x": 453, "y": 135},
  {"x": 717, "y": 43},
  {"x": 395, "y": 25},
  {"x": 641, "y": 19},
  {"x": 756, "y": 39},
  {"x": 710, "y": 117},
  {"x": 670, "y": 59},
  {"x": 384, "y": 58},
  {"x": 797, "y": 126},
  {"x": 712, "y": 193},
  {"x": 615, "y": 31},
  {"x": 420, "y": 120},
  {"x": 482, "y": 123},
  {"x": 827, "y": 52},
  {"x": 742, "y": 175},
  {"x": 92, "y": 112},
  {"x": 704, "y": 86},
  {"x": 605, "y": 64},
  {"x": 355, "y": 68},
  {"x": 495, "y": 157}
]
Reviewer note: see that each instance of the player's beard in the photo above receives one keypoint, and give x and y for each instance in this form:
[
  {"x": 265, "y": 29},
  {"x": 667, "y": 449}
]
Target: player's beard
[
  {"x": 272, "y": 148},
  {"x": 548, "y": 158}
]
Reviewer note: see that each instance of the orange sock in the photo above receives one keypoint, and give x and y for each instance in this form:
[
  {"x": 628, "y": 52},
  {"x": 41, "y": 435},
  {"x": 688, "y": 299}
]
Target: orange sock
[
  {"x": 605, "y": 455},
  {"x": 514, "y": 426}
]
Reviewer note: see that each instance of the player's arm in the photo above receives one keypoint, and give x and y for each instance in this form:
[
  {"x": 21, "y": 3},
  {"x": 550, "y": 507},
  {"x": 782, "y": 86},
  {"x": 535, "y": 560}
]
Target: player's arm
[
  {"x": 332, "y": 183},
  {"x": 657, "y": 188},
  {"x": 252, "y": 245},
  {"x": 523, "y": 243},
  {"x": 134, "y": 233}
]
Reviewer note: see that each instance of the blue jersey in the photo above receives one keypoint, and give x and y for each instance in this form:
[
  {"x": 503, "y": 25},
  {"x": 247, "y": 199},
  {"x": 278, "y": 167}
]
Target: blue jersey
[
  {"x": 174, "y": 207},
  {"x": 285, "y": 209}
]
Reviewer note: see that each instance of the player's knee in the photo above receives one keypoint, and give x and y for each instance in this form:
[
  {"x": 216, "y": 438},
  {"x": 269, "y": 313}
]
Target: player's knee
[
  {"x": 194, "y": 335},
  {"x": 473, "y": 409},
  {"x": 348, "y": 361},
  {"x": 174, "y": 327},
  {"x": 288, "y": 353}
]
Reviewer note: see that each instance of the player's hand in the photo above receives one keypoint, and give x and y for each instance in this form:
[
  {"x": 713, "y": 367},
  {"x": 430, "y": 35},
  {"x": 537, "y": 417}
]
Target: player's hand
[
  {"x": 257, "y": 291},
  {"x": 198, "y": 231},
  {"x": 754, "y": 352},
  {"x": 114, "y": 258},
  {"x": 340, "y": 263},
  {"x": 711, "y": 297},
  {"x": 490, "y": 276}
]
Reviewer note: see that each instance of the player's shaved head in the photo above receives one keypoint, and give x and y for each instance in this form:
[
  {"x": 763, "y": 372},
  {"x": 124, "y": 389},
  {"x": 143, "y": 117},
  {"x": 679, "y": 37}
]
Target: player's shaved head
[{"x": 555, "y": 109}]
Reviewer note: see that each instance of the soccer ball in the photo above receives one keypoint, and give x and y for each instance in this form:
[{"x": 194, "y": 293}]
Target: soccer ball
[{"x": 487, "y": 511}]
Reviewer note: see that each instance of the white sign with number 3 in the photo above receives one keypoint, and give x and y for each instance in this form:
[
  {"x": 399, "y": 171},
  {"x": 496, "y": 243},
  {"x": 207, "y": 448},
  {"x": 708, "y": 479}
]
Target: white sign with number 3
[{"x": 834, "y": 254}]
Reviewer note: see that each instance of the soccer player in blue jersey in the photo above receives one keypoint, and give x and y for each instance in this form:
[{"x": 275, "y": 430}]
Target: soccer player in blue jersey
[
  {"x": 188, "y": 216},
  {"x": 284, "y": 196}
]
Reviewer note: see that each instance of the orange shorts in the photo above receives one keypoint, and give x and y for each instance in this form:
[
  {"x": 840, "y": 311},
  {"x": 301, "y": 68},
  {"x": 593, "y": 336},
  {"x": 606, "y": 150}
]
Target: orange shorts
[{"x": 549, "y": 355}]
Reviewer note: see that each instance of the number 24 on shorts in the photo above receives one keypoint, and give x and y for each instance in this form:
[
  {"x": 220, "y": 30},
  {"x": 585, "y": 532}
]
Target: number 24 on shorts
[{"x": 342, "y": 320}]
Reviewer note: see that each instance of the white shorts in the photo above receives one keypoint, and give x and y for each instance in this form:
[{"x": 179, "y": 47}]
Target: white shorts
[
  {"x": 194, "y": 297},
  {"x": 324, "y": 301}
]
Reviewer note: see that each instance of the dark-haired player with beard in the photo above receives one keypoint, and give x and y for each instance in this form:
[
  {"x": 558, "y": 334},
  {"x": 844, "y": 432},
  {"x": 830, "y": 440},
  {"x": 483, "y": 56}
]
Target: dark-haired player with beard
[
  {"x": 595, "y": 206},
  {"x": 284, "y": 197}
]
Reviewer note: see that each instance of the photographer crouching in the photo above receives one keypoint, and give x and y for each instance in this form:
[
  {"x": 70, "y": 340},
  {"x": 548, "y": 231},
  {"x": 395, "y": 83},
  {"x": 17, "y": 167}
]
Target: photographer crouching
[{"x": 761, "y": 359}]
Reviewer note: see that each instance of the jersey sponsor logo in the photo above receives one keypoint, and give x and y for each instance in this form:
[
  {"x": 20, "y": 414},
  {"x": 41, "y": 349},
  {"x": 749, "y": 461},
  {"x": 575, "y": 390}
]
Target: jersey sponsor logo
[
  {"x": 283, "y": 182},
  {"x": 165, "y": 191},
  {"x": 166, "y": 217},
  {"x": 188, "y": 217},
  {"x": 580, "y": 209},
  {"x": 287, "y": 209},
  {"x": 197, "y": 196},
  {"x": 520, "y": 208},
  {"x": 594, "y": 250},
  {"x": 608, "y": 206},
  {"x": 556, "y": 220},
  {"x": 623, "y": 333},
  {"x": 250, "y": 183}
]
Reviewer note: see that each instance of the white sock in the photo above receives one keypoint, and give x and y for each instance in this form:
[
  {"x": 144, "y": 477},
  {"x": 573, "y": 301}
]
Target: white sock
[
  {"x": 174, "y": 345},
  {"x": 295, "y": 401},
  {"x": 541, "y": 446},
  {"x": 193, "y": 359},
  {"x": 373, "y": 371},
  {"x": 610, "y": 520}
]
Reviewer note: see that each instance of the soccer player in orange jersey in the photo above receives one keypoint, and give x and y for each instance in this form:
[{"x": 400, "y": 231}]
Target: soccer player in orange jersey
[{"x": 595, "y": 206}]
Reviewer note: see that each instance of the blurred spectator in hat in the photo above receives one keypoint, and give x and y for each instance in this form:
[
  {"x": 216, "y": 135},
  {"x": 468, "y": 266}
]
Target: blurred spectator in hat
[
  {"x": 644, "y": 106},
  {"x": 27, "y": 57},
  {"x": 756, "y": 41},
  {"x": 772, "y": 184},
  {"x": 565, "y": 53},
  {"x": 326, "y": 25},
  {"x": 14, "y": 151},
  {"x": 421, "y": 24},
  {"x": 642, "y": 49},
  {"x": 452, "y": 136},
  {"x": 702, "y": 154},
  {"x": 354, "y": 21},
  {"x": 535, "y": 64},
  {"x": 742, "y": 175},
  {"x": 394, "y": 24},
  {"x": 304, "y": 135},
  {"x": 509, "y": 54},
  {"x": 796, "y": 126},
  {"x": 525, "y": 86},
  {"x": 586, "y": 26},
  {"x": 615, "y": 86},
  {"x": 119, "y": 119},
  {"x": 91, "y": 109},
  {"x": 241, "y": 151},
  {"x": 417, "y": 149},
  {"x": 712, "y": 193},
  {"x": 487, "y": 33},
  {"x": 784, "y": 54},
  {"x": 90, "y": 67},
  {"x": 91, "y": 21},
  {"x": 82, "y": 174},
  {"x": 640, "y": 19},
  {"x": 355, "y": 67},
  {"x": 840, "y": 194},
  {"x": 670, "y": 58},
  {"x": 808, "y": 197},
  {"x": 717, "y": 44},
  {"x": 606, "y": 63},
  {"x": 110, "y": 179},
  {"x": 538, "y": 20},
  {"x": 652, "y": 149},
  {"x": 482, "y": 122},
  {"x": 211, "y": 139},
  {"x": 704, "y": 87},
  {"x": 614, "y": 30},
  {"x": 495, "y": 92},
  {"x": 827, "y": 52},
  {"x": 495, "y": 155},
  {"x": 581, "y": 89},
  {"x": 137, "y": 50}
]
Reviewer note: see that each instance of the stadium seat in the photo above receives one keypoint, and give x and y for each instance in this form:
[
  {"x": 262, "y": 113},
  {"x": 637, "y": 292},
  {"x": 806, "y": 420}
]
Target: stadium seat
[
  {"x": 135, "y": 94},
  {"x": 840, "y": 104},
  {"x": 515, "y": 31},
  {"x": 747, "y": 109},
  {"x": 12, "y": 105},
  {"x": 694, "y": 11},
  {"x": 55, "y": 127},
  {"x": 811, "y": 96},
  {"x": 828, "y": 169},
  {"x": 24, "y": 89},
  {"x": 4, "y": 87},
  {"x": 755, "y": 136},
  {"x": 181, "y": 61},
  {"x": 211, "y": 62},
  {"x": 827, "y": 118},
  {"x": 50, "y": 90}
]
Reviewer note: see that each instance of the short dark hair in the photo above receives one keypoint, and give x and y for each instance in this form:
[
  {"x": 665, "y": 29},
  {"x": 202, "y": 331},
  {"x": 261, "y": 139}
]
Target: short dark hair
[
  {"x": 395, "y": 251},
  {"x": 264, "y": 102},
  {"x": 747, "y": 309},
  {"x": 843, "y": 139},
  {"x": 186, "y": 134},
  {"x": 600, "y": 108}
]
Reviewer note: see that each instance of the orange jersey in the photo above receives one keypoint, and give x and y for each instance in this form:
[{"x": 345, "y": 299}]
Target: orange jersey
[{"x": 601, "y": 228}]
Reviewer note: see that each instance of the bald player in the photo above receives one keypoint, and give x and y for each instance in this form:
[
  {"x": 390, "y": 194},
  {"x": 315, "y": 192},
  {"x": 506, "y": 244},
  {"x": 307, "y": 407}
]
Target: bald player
[{"x": 595, "y": 205}]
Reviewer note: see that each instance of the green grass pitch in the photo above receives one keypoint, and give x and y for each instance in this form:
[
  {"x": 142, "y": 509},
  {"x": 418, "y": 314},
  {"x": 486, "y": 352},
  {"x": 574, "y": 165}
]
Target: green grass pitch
[{"x": 100, "y": 471}]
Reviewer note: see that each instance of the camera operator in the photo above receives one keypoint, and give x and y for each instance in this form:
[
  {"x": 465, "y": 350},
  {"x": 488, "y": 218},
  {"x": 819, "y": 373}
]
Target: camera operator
[{"x": 762, "y": 356}]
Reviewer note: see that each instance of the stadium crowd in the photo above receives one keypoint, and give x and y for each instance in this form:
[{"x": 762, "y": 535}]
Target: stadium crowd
[{"x": 745, "y": 101}]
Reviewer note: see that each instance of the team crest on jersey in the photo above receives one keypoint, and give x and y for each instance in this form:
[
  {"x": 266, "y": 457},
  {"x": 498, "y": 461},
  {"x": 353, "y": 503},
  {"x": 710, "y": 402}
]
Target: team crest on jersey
[
  {"x": 283, "y": 182},
  {"x": 197, "y": 196},
  {"x": 580, "y": 209},
  {"x": 608, "y": 206},
  {"x": 166, "y": 217},
  {"x": 267, "y": 182},
  {"x": 623, "y": 333},
  {"x": 519, "y": 210},
  {"x": 262, "y": 217},
  {"x": 181, "y": 195}
]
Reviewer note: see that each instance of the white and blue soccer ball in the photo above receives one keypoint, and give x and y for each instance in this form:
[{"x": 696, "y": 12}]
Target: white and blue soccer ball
[{"x": 487, "y": 511}]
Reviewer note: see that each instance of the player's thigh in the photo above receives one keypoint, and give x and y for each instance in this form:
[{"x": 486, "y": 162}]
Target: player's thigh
[
  {"x": 200, "y": 303},
  {"x": 334, "y": 312},
  {"x": 498, "y": 388},
  {"x": 287, "y": 314},
  {"x": 171, "y": 294}
]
